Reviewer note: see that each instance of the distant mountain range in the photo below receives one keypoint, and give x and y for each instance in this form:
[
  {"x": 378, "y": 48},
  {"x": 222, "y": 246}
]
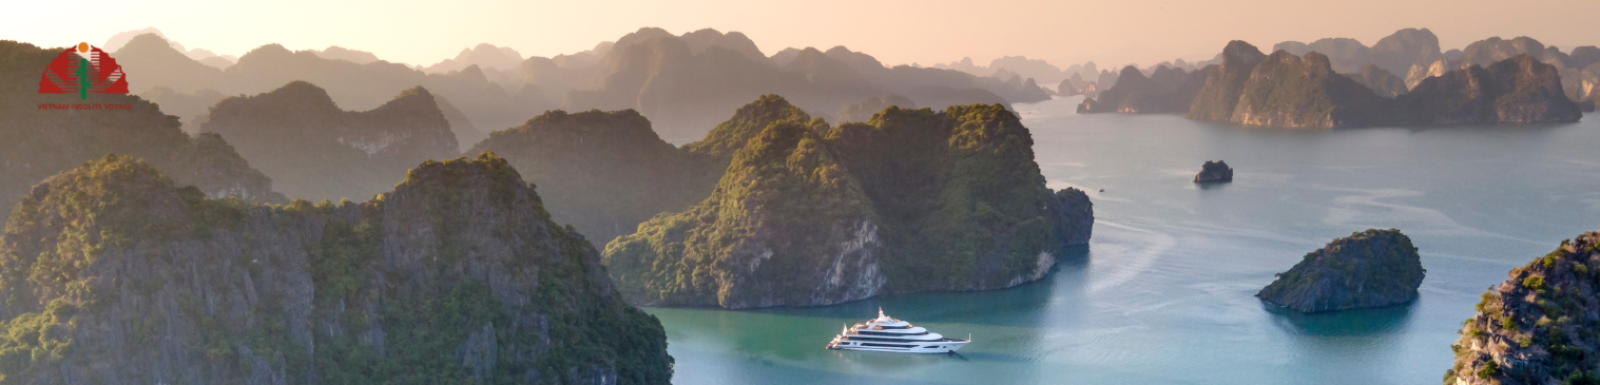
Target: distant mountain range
[
  {"x": 1414, "y": 54},
  {"x": 315, "y": 151},
  {"x": 1307, "y": 86},
  {"x": 206, "y": 57},
  {"x": 681, "y": 82},
  {"x": 159, "y": 71}
]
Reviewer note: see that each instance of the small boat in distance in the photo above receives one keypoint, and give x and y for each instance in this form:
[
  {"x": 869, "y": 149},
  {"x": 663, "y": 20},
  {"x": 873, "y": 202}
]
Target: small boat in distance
[{"x": 885, "y": 334}]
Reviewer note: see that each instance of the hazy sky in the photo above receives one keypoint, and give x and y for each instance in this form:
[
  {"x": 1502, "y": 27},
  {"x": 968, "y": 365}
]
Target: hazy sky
[{"x": 896, "y": 32}]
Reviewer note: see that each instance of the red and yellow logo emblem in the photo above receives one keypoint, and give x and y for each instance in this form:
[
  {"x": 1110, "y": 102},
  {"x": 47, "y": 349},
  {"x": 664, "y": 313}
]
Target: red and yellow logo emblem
[{"x": 81, "y": 70}]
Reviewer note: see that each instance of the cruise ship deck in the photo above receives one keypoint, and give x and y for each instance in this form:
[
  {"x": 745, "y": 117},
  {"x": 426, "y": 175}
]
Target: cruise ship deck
[{"x": 887, "y": 334}]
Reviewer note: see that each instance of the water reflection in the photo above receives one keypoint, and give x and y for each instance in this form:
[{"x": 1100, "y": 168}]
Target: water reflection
[
  {"x": 1164, "y": 293},
  {"x": 1006, "y": 326},
  {"x": 1349, "y": 323}
]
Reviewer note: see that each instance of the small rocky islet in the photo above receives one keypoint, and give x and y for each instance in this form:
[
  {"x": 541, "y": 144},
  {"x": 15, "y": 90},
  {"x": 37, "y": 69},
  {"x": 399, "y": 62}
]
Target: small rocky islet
[
  {"x": 1373, "y": 268},
  {"x": 1214, "y": 172}
]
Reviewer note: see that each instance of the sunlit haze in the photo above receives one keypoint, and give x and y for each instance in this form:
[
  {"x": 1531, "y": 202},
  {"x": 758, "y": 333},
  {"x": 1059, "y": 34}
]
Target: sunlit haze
[{"x": 896, "y": 32}]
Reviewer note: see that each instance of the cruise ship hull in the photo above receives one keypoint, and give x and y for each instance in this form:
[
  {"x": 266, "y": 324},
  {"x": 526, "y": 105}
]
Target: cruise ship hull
[
  {"x": 926, "y": 348},
  {"x": 886, "y": 334}
]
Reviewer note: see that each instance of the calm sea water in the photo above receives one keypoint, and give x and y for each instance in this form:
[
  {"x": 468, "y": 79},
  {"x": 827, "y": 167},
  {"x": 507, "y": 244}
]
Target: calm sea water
[{"x": 1164, "y": 293}]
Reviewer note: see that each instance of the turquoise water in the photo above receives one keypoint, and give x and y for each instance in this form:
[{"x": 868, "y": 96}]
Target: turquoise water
[{"x": 1164, "y": 293}]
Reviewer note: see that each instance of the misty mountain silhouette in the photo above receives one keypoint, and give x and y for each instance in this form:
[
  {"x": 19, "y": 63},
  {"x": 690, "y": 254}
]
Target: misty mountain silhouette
[
  {"x": 39, "y": 143},
  {"x": 682, "y": 83},
  {"x": 313, "y": 150}
]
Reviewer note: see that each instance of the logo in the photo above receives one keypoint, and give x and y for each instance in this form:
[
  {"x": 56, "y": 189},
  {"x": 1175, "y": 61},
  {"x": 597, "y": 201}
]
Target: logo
[{"x": 82, "y": 70}]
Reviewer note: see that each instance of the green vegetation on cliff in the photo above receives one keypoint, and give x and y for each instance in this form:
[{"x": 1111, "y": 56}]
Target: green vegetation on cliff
[
  {"x": 605, "y": 172},
  {"x": 961, "y": 196},
  {"x": 1516, "y": 90},
  {"x": 1539, "y": 326},
  {"x": 1217, "y": 97},
  {"x": 1289, "y": 91},
  {"x": 112, "y": 273},
  {"x": 756, "y": 241},
  {"x": 747, "y": 122},
  {"x": 1373, "y": 268},
  {"x": 808, "y": 214}
]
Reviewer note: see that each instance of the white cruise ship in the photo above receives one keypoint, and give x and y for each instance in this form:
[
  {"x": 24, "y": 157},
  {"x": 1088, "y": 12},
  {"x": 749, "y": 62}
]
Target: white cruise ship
[{"x": 885, "y": 334}]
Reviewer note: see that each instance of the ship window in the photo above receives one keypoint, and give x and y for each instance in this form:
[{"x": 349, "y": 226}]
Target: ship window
[
  {"x": 871, "y": 333},
  {"x": 888, "y": 339},
  {"x": 888, "y": 345}
]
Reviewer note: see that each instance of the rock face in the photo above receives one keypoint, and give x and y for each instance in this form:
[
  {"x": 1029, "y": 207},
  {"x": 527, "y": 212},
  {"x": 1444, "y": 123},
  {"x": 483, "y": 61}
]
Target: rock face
[
  {"x": 817, "y": 251},
  {"x": 1214, "y": 172},
  {"x": 1381, "y": 82},
  {"x": 1538, "y": 326},
  {"x": 1493, "y": 50},
  {"x": 1516, "y": 90},
  {"x": 1073, "y": 216},
  {"x": 1421, "y": 71},
  {"x": 113, "y": 274},
  {"x": 1345, "y": 54},
  {"x": 606, "y": 172},
  {"x": 35, "y": 143},
  {"x": 602, "y": 172},
  {"x": 807, "y": 215},
  {"x": 1106, "y": 80},
  {"x": 1374, "y": 268},
  {"x": 1068, "y": 87},
  {"x": 315, "y": 151},
  {"x": 1589, "y": 85},
  {"x": 1077, "y": 85},
  {"x": 1287, "y": 91},
  {"x": 1167, "y": 91},
  {"x": 1220, "y": 94},
  {"x": 1397, "y": 53}
]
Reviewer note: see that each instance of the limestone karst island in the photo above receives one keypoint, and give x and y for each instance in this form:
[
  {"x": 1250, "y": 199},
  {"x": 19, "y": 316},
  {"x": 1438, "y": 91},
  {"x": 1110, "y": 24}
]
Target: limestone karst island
[{"x": 715, "y": 192}]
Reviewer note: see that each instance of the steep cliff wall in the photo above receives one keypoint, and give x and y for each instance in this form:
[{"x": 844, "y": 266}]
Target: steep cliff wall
[
  {"x": 1516, "y": 90},
  {"x": 1539, "y": 326},
  {"x": 111, "y": 274},
  {"x": 807, "y": 214},
  {"x": 785, "y": 227},
  {"x": 1216, "y": 99},
  {"x": 606, "y": 172},
  {"x": 1289, "y": 91}
]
